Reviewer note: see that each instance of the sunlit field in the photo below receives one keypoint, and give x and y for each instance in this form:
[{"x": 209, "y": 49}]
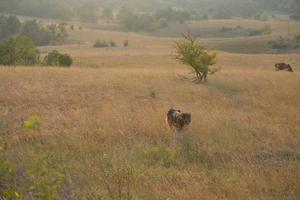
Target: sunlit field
[{"x": 102, "y": 132}]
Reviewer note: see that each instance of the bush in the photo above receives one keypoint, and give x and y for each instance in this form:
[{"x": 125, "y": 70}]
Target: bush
[
  {"x": 65, "y": 60},
  {"x": 112, "y": 43},
  {"x": 44, "y": 35},
  {"x": 282, "y": 43},
  {"x": 33, "y": 123},
  {"x": 295, "y": 16},
  {"x": 134, "y": 21},
  {"x": 8, "y": 176},
  {"x": 100, "y": 44},
  {"x": 54, "y": 58},
  {"x": 18, "y": 51}
]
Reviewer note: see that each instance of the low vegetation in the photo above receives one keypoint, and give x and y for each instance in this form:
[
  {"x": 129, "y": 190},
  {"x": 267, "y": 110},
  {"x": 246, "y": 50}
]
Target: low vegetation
[
  {"x": 33, "y": 122},
  {"x": 21, "y": 50},
  {"x": 285, "y": 43},
  {"x": 54, "y": 58},
  {"x": 39, "y": 34},
  {"x": 18, "y": 51},
  {"x": 103, "y": 44},
  {"x": 100, "y": 44}
]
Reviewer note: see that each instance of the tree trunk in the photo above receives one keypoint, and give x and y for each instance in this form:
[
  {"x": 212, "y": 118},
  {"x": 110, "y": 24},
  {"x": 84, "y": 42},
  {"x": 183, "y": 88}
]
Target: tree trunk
[{"x": 205, "y": 76}]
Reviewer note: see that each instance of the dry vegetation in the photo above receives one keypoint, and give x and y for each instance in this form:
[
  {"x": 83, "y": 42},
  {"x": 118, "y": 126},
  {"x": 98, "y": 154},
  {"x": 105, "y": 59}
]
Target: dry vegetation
[{"x": 103, "y": 134}]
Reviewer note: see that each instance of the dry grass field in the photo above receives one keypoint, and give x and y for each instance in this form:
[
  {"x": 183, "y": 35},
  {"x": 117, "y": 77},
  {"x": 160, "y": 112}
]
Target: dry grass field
[{"x": 103, "y": 133}]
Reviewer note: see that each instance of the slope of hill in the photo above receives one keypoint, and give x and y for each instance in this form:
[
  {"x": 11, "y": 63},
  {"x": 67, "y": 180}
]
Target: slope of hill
[{"x": 103, "y": 134}]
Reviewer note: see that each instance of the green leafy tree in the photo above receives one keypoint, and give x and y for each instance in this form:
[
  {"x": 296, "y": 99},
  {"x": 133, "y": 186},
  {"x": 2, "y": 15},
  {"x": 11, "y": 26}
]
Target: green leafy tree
[
  {"x": 38, "y": 34},
  {"x": 9, "y": 26},
  {"x": 26, "y": 52},
  {"x": 13, "y": 25},
  {"x": 65, "y": 60},
  {"x": 8, "y": 52},
  {"x": 18, "y": 51},
  {"x": 54, "y": 58},
  {"x": 8, "y": 177},
  {"x": 191, "y": 52}
]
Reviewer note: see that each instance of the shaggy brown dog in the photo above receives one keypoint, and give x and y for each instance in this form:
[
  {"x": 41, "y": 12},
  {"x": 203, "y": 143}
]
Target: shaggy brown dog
[
  {"x": 178, "y": 120},
  {"x": 283, "y": 66}
]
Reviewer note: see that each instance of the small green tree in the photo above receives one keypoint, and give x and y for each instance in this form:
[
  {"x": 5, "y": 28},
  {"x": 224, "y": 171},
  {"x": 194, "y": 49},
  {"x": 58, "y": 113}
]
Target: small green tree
[
  {"x": 191, "y": 52},
  {"x": 54, "y": 58},
  {"x": 65, "y": 60},
  {"x": 18, "y": 51}
]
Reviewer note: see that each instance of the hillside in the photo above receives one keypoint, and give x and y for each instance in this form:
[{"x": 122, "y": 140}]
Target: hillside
[{"x": 103, "y": 133}]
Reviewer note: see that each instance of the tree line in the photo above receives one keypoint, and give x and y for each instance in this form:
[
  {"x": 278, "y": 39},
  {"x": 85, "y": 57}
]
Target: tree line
[
  {"x": 40, "y": 35},
  {"x": 92, "y": 10},
  {"x": 20, "y": 50}
]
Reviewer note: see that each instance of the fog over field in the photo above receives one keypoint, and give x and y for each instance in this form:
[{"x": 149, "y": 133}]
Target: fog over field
[{"x": 149, "y": 99}]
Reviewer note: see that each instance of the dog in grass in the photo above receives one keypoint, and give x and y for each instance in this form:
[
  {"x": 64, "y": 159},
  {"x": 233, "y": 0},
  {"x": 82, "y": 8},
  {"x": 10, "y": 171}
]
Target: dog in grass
[{"x": 177, "y": 120}]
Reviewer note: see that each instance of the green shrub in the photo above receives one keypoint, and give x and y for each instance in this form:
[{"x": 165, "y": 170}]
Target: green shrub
[
  {"x": 54, "y": 58},
  {"x": 112, "y": 43},
  {"x": 33, "y": 123},
  {"x": 18, "y": 51},
  {"x": 100, "y": 44},
  {"x": 42, "y": 180},
  {"x": 8, "y": 177},
  {"x": 65, "y": 60},
  {"x": 282, "y": 43}
]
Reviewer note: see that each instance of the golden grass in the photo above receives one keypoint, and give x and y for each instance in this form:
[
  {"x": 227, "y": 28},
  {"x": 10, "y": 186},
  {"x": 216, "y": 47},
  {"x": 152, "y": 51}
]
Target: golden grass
[{"x": 102, "y": 123}]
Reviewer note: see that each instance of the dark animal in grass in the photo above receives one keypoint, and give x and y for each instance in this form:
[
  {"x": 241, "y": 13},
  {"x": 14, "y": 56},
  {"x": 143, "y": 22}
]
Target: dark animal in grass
[
  {"x": 177, "y": 120},
  {"x": 283, "y": 66}
]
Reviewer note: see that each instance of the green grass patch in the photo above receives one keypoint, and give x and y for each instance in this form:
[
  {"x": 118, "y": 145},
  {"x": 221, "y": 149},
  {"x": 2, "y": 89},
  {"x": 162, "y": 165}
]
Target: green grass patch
[{"x": 32, "y": 123}]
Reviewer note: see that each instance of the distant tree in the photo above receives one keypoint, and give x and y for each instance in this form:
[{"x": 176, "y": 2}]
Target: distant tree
[
  {"x": 191, "y": 52},
  {"x": 100, "y": 44},
  {"x": 18, "y": 51},
  {"x": 112, "y": 43},
  {"x": 38, "y": 34},
  {"x": 8, "y": 52},
  {"x": 9, "y": 26},
  {"x": 26, "y": 52},
  {"x": 54, "y": 58},
  {"x": 65, "y": 60},
  {"x": 13, "y": 25},
  {"x": 51, "y": 34},
  {"x": 172, "y": 15},
  {"x": 137, "y": 22}
]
